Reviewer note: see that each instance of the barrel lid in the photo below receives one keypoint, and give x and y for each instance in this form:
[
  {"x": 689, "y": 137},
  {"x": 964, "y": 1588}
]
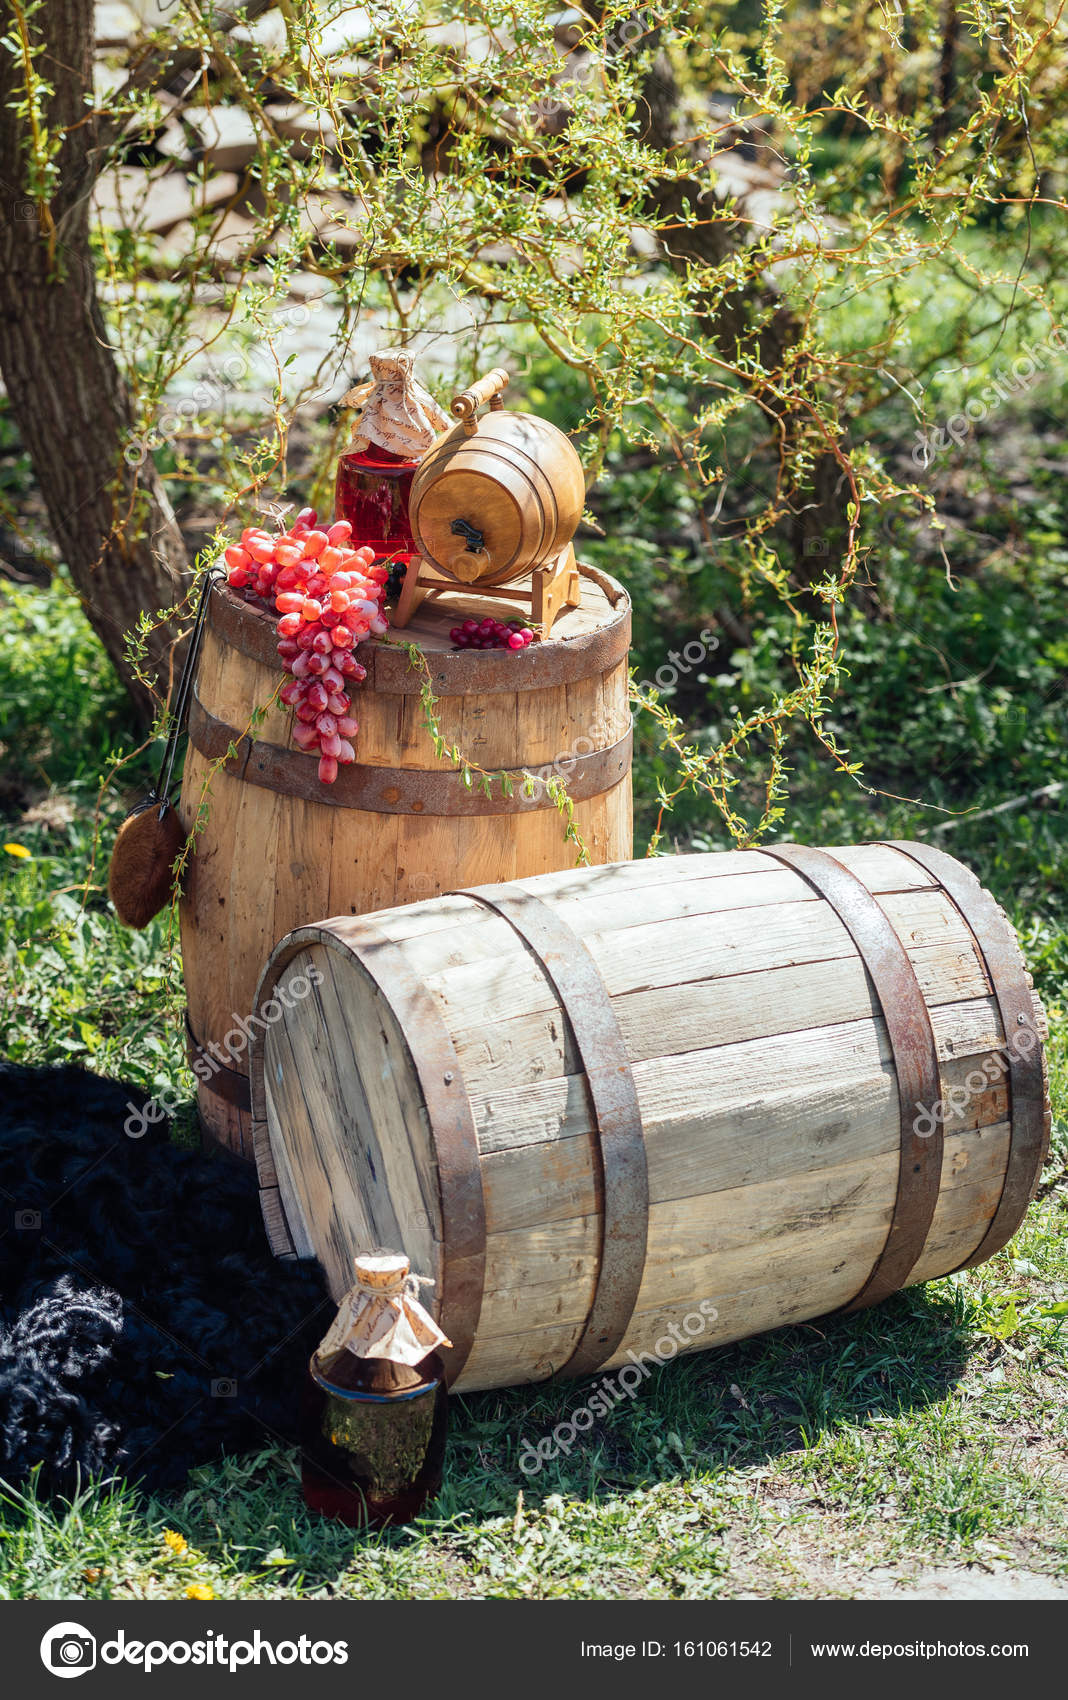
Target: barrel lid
[
  {"x": 585, "y": 640},
  {"x": 468, "y": 521},
  {"x": 495, "y": 496}
]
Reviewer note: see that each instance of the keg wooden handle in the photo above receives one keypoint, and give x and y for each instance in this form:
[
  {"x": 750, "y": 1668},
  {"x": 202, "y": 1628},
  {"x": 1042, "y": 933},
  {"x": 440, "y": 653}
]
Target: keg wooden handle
[{"x": 465, "y": 406}]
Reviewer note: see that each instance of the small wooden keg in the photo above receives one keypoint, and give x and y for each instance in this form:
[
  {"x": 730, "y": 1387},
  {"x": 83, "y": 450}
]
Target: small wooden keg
[
  {"x": 277, "y": 848},
  {"x": 684, "y": 1099},
  {"x": 497, "y": 497}
]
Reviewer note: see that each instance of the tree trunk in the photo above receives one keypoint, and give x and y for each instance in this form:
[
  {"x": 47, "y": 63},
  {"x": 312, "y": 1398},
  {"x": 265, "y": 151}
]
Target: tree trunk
[
  {"x": 947, "y": 78},
  {"x": 108, "y": 509},
  {"x": 753, "y": 317}
]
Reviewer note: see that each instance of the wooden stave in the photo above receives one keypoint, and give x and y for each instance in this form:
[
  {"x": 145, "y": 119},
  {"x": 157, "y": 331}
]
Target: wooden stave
[
  {"x": 915, "y": 1057},
  {"x": 498, "y": 1356},
  {"x": 602, "y": 1055},
  {"x": 238, "y": 653}
]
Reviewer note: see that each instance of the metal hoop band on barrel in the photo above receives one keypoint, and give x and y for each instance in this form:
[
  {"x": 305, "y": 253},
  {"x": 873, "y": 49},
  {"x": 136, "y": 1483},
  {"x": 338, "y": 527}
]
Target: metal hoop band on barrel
[
  {"x": 225, "y": 1082},
  {"x": 577, "y": 981},
  {"x": 398, "y": 790},
  {"x": 912, "y": 1041},
  {"x": 1000, "y": 955}
]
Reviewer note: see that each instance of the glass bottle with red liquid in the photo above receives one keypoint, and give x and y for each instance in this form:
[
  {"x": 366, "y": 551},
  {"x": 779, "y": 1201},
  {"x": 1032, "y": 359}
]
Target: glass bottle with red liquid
[
  {"x": 374, "y": 1411},
  {"x": 397, "y": 422},
  {"x": 371, "y": 492}
]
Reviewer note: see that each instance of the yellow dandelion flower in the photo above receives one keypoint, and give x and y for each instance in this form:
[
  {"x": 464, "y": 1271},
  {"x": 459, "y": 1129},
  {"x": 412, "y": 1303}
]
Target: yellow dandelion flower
[
  {"x": 174, "y": 1540},
  {"x": 20, "y": 851},
  {"x": 199, "y": 1591}
]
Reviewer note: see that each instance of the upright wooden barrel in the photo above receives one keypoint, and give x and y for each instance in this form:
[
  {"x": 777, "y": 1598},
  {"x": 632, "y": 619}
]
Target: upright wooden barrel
[
  {"x": 278, "y": 848},
  {"x": 657, "y": 1106}
]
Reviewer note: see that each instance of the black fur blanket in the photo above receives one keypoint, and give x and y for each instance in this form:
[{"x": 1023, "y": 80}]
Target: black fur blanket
[{"x": 144, "y": 1325}]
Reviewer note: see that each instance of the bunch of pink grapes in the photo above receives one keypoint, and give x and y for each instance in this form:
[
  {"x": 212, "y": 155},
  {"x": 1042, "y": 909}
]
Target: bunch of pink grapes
[
  {"x": 491, "y": 634},
  {"x": 329, "y": 597}
]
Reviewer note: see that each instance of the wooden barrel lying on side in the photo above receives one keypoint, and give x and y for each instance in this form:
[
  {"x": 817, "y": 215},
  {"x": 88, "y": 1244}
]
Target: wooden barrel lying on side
[
  {"x": 277, "y": 848},
  {"x": 711, "y": 1093}
]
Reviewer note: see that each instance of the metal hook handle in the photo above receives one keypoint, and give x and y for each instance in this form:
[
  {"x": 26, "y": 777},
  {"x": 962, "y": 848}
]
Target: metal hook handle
[
  {"x": 213, "y": 576},
  {"x": 475, "y": 542}
]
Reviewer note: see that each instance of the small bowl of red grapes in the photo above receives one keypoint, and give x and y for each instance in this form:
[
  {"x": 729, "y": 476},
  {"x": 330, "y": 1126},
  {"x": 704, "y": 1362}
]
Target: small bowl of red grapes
[{"x": 491, "y": 634}]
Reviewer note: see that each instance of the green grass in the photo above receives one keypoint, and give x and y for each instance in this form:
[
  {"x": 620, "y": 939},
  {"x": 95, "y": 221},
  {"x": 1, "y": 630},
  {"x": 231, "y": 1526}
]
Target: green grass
[{"x": 927, "y": 1433}]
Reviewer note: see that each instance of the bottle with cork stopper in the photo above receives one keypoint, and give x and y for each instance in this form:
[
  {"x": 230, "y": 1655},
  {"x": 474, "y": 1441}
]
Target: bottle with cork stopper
[
  {"x": 395, "y": 421},
  {"x": 374, "y": 1412}
]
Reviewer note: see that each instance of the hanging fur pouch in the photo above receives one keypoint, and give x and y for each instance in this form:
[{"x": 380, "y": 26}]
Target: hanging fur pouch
[
  {"x": 150, "y": 839},
  {"x": 141, "y": 877}
]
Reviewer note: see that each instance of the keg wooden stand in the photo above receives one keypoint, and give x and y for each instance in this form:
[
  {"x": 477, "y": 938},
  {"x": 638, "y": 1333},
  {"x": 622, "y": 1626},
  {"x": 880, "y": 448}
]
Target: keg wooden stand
[
  {"x": 710, "y": 1093},
  {"x": 277, "y": 848}
]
